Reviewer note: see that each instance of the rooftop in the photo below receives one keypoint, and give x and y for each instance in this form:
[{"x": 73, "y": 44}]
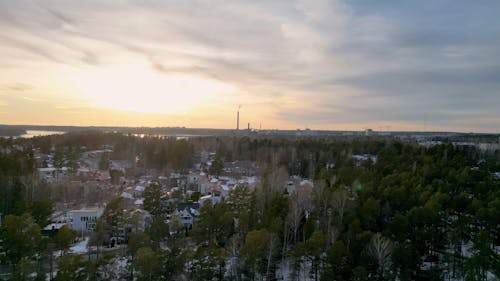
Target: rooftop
[{"x": 90, "y": 210}]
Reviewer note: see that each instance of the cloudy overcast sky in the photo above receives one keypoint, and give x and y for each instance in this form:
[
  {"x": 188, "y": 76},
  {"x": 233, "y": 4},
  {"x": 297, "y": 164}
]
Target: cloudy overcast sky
[{"x": 333, "y": 64}]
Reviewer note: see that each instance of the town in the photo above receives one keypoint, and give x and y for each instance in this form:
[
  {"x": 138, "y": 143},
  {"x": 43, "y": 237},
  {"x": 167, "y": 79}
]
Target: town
[
  {"x": 325, "y": 140},
  {"x": 148, "y": 207}
]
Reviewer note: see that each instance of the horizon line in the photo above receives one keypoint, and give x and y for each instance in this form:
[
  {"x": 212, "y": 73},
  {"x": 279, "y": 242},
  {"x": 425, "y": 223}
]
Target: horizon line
[{"x": 244, "y": 130}]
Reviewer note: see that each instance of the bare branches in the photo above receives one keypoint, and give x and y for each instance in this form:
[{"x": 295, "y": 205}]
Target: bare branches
[
  {"x": 339, "y": 203},
  {"x": 381, "y": 249}
]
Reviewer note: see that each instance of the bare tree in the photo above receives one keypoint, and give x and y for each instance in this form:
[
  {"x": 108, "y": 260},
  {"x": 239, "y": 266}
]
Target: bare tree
[
  {"x": 270, "y": 187},
  {"x": 277, "y": 179},
  {"x": 233, "y": 247},
  {"x": 299, "y": 207},
  {"x": 294, "y": 217},
  {"x": 320, "y": 202},
  {"x": 272, "y": 245},
  {"x": 333, "y": 234},
  {"x": 381, "y": 249},
  {"x": 339, "y": 203}
]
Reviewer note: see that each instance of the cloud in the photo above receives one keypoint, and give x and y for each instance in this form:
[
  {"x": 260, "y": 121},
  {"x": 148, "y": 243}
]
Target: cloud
[
  {"x": 311, "y": 62},
  {"x": 15, "y": 87}
]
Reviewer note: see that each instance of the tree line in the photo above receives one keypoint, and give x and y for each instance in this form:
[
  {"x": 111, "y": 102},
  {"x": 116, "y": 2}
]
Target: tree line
[{"x": 415, "y": 213}]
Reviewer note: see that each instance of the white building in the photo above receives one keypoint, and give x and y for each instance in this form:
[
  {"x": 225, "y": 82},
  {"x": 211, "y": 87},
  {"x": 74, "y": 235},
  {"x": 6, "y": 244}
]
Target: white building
[
  {"x": 84, "y": 221},
  {"x": 52, "y": 174}
]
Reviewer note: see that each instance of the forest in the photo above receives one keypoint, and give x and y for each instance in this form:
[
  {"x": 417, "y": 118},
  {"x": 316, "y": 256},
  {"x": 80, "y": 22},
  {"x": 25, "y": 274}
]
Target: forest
[{"x": 410, "y": 213}]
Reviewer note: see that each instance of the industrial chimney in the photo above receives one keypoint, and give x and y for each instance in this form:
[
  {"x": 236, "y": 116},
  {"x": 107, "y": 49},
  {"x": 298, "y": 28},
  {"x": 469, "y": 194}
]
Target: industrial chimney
[{"x": 238, "y": 120}]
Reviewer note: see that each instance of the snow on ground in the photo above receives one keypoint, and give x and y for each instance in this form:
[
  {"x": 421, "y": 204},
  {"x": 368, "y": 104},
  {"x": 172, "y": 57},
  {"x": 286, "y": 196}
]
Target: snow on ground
[
  {"x": 491, "y": 276},
  {"x": 127, "y": 195},
  {"x": 115, "y": 269},
  {"x": 80, "y": 247},
  {"x": 467, "y": 249},
  {"x": 284, "y": 271}
]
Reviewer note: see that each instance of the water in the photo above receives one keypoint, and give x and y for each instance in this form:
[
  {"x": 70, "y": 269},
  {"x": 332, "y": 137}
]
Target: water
[{"x": 37, "y": 133}]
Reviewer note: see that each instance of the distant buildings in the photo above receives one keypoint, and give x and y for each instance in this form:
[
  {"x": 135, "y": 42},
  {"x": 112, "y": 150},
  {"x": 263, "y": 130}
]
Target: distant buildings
[
  {"x": 139, "y": 190},
  {"x": 295, "y": 183},
  {"x": 360, "y": 158},
  {"x": 52, "y": 174},
  {"x": 84, "y": 220}
]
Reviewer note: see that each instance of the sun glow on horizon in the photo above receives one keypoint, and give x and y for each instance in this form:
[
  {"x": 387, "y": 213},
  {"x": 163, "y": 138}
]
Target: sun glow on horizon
[{"x": 137, "y": 87}]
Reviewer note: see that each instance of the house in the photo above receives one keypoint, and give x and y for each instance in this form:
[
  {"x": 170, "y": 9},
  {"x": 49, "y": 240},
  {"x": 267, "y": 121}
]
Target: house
[
  {"x": 292, "y": 183},
  {"x": 197, "y": 181},
  {"x": 138, "y": 191},
  {"x": 203, "y": 185},
  {"x": 140, "y": 219},
  {"x": 188, "y": 212},
  {"x": 127, "y": 195},
  {"x": 250, "y": 181},
  {"x": 192, "y": 178},
  {"x": 212, "y": 198},
  {"x": 163, "y": 180},
  {"x": 216, "y": 190},
  {"x": 139, "y": 202},
  {"x": 52, "y": 174},
  {"x": 186, "y": 217},
  {"x": 177, "y": 180},
  {"x": 84, "y": 220},
  {"x": 360, "y": 158},
  {"x": 137, "y": 220},
  {"x": 83, "y": 172},
  {"x": 52, "y": 229},
  {"x": 239, "y": 167},
  {"x": 295, "y": 183}
]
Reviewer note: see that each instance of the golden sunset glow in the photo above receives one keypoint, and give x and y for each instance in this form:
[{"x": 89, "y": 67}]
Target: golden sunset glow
[
  {"x": 136, "y": 87},
  {"x": 322, "y": 64}
]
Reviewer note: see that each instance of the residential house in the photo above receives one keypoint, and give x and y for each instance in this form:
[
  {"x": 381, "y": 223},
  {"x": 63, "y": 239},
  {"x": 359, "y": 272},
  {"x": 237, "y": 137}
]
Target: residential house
[
  {"x": 52, "y": 229},
  {"x": 84, "y": 220},
  {"x": 188, "y": 212},
  {"x": 52, "y": 174},
  {"x": 138, "y": 191}
]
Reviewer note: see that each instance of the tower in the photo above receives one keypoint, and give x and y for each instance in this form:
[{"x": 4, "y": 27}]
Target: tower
[{"x": 238, "y": 120}]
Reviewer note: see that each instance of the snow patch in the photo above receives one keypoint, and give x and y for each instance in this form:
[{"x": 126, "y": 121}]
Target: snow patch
[{"x": 80, "y": 247}]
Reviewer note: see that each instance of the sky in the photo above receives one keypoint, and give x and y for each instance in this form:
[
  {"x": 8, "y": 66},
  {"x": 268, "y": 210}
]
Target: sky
[{"x": 428, "y": 65}]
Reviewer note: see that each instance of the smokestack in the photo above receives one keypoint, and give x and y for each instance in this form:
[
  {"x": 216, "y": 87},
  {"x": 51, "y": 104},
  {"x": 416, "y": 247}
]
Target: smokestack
[
  {"x": 248, "y": 126},
  {"x": 238, "y": 120}
]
